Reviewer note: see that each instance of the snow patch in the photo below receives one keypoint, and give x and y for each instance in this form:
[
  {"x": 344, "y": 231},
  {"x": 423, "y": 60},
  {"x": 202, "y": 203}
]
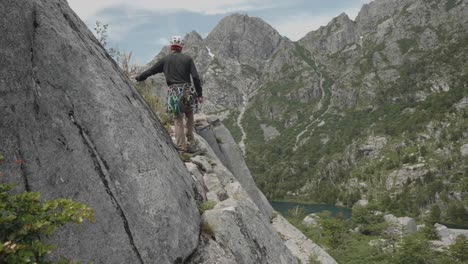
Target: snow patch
[{"x": 210, "y": 53}]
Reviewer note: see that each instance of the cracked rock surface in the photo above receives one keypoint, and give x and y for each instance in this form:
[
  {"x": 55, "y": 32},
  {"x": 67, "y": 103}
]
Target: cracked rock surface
[
  {"x": 82, "y": 131},
  {"x": 238, "y": 228}
]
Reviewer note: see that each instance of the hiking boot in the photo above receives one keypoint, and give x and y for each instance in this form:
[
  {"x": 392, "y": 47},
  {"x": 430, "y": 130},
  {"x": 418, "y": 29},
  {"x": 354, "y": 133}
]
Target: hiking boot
[
  {"x": 189, "y": 150},
  {"x": 179, "y": 149}
]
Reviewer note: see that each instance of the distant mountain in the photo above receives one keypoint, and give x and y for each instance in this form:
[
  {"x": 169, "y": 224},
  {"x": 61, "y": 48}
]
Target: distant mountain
[{"x": 374, "y": 108}]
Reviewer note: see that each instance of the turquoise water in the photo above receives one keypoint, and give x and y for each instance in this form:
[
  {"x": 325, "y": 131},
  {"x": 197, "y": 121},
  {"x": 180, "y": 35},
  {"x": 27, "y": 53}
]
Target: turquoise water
[{"x": 283, "y": 207}]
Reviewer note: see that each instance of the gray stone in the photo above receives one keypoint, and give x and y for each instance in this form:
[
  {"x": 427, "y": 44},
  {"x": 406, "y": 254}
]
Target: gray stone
[
  {"x": 302, "y": 247},
  {"x": 240, "y": 229},
  {"x": 447, "y": 236},
  {"x": 462, "y": 104},
  {"x": 464, "y": 150},
  {"x": 211, "y": 252},
  {"x": 198, "y": 182},
  {"x": 269, "y": 132},
  {"x": 310, "y": 220},
  {"x": 203, "y": 163},
  {"x": 230, "y": 155},
  {"x": 83, "y": 132},
  {"x": 400, "y": 225},
  {"x": 214, "y": 186},
  {"x": 408, "y": 223},
  {"x": 362, "y": 203}
]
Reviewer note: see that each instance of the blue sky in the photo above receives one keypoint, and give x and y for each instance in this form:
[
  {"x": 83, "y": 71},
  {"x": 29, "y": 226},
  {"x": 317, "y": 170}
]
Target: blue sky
[{"x": 143, "y": 26}]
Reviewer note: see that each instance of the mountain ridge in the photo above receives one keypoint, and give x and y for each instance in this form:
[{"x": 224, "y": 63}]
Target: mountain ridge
[{"x": 305, "y": 113}]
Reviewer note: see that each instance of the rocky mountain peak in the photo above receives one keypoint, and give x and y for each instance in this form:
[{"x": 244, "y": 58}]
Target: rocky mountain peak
[
  {"x": 244, "y": 38},
  {"x": 342, "y": 18},
  {"x": 371, "y": 14},
  {"x": 339, "y": 33},
  {"x": 193, "y": 36}
]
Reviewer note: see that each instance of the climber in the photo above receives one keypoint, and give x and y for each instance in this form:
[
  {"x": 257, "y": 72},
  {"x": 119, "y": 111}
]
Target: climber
[{"x": 183, "y": 98}]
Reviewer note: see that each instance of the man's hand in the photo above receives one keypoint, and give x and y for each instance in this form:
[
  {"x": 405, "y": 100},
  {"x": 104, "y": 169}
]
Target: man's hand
[
  {"x": 139, "y": 78},
  {"x": 200, "y": 99}
]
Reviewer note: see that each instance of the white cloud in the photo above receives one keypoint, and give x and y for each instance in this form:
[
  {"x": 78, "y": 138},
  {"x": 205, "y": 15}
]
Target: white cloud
[{"x": 87, "y": 9}]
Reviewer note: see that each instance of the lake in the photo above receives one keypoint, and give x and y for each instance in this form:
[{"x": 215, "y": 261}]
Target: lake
[{"x": 283, "y": 207}]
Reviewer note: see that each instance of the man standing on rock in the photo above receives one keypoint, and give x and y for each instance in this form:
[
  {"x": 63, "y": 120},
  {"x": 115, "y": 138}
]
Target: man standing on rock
[{"x": 182, "y": 96}]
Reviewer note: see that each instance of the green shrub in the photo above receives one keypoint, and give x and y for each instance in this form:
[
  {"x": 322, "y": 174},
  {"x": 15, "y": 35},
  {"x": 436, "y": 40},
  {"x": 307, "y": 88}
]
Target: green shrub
[
  {"x": 274, "y": 215},
  {"x": 452, "y": 4},
  {"x": 24, "y": 219},
  {"x": 157, "y": 104},
  {"x": 334, "y": 228},
  {"x": 406, "y": 45},
  {"x": 459, "y": 251},
  {"x": 207, "y": 229},
  {"x": 313, "y": 259},
  {"x": 186, "y": 157},
  {"x": 209, "y": 205},
  {"x": 416, "y": 249},
  {"x": 369, "y": 223}
]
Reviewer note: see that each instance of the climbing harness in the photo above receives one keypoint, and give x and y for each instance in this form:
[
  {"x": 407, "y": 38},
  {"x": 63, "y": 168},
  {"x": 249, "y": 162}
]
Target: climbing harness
[{"x": 181, "y": 98}]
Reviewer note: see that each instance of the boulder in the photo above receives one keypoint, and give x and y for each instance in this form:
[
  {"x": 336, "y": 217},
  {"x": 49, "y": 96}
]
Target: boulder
[
  {"x": 83, "y": 132},
  {"x": 269, "y": 132},
  {"x": 408, "y": 224},
  {"x": 464, "y": 150},
  {"x": 198, "y": 183},
  {"x": 310, "y": 220},
  {"x": 447, "y": 236},
  {"x": 400, "y": 225},
  {"x": 203, "y": 163},
  {"x": 462, "y": 104},
  {"x": 362, "y": 203}
]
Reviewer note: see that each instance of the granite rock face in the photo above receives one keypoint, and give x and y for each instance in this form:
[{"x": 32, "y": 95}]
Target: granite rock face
[
  {"x": 229, "y": 153},
  {"x": 238, "y": 228},
  {"x": 82, "y": 131},
  {"x": 249, "y": 40},
  {"x": 302, "y": 247},
  {"x": 338, "y": 34}
]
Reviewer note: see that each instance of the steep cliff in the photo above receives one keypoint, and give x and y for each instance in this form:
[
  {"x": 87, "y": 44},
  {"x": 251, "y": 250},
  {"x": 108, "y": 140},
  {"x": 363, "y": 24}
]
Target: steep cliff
[{"x": 82, "y": 131}]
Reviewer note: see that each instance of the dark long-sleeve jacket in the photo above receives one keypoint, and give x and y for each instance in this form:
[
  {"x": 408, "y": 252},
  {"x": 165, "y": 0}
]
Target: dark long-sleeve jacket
[{"x": 177, "y": 68}]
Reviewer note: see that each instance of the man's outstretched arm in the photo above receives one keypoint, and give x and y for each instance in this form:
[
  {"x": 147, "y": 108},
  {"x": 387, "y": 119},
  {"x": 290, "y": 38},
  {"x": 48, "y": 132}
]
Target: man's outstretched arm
[{"x": 155, "y": 69}]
